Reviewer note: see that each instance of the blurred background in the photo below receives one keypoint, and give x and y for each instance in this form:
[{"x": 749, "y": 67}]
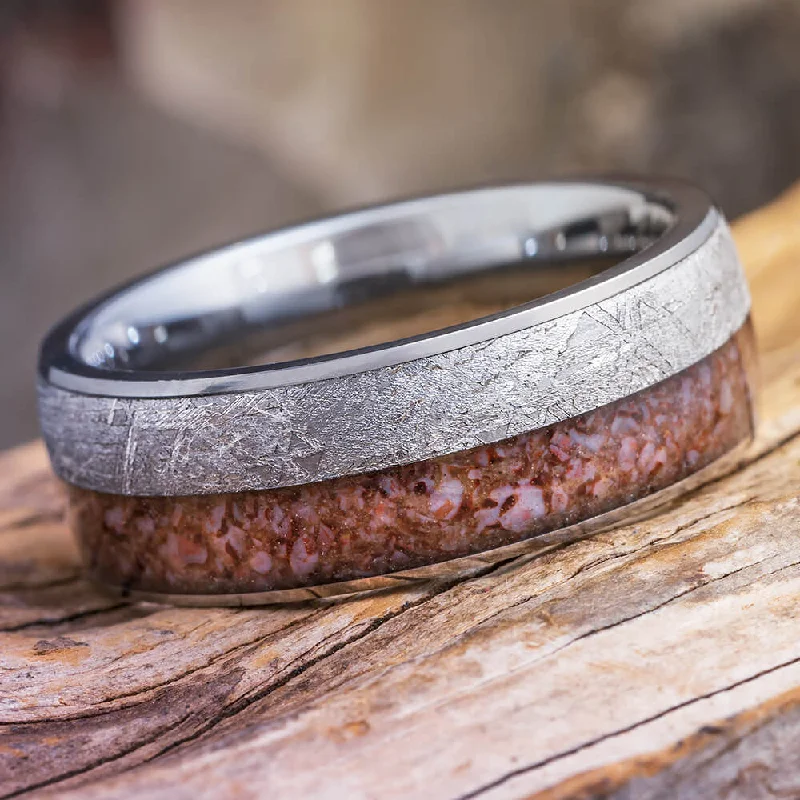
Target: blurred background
[{"x": 136, "y": 131}]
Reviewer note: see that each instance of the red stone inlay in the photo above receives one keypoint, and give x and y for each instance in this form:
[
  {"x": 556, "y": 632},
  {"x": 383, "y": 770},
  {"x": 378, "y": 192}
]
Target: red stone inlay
[{"x": 426, "y": 512}]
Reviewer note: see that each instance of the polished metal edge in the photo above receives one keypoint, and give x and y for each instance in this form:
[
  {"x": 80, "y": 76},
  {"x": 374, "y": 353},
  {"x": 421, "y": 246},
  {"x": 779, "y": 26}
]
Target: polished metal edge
[
  {"x": 408, "y": 412},
  {"x": 696, "y": 219},
  {"x": 458, "y": 568}
]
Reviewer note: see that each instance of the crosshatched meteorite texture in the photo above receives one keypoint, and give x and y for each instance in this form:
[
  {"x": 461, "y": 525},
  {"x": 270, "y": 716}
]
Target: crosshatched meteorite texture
[{"x": 421, "y": 409}]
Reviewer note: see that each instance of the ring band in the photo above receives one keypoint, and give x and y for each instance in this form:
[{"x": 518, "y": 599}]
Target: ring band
[{"x": 410, "y": 452}]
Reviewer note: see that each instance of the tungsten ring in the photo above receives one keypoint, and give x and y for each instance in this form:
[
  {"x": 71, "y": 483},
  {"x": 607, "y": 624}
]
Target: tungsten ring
[{"x": 416, "y": 385}]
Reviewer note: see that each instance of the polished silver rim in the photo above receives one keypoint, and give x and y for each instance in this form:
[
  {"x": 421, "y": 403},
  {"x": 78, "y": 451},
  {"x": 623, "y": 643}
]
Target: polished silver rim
[
  {"x": 147, "y": 431},
  {"x": 513, "y": 227}
]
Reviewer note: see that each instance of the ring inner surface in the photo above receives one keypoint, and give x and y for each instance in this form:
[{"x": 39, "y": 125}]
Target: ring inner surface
[{"x": 368, "y": 277}]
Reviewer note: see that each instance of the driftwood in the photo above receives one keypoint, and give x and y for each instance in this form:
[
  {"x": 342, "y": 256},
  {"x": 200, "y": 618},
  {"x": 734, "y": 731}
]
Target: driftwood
[{"x": 661, "y": 659}]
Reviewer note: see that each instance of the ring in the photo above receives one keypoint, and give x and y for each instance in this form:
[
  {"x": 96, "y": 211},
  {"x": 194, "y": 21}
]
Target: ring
[{"x": 417, "y": 385}]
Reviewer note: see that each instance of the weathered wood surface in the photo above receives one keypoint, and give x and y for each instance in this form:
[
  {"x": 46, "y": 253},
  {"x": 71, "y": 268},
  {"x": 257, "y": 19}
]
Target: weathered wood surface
[{"x": 655, "y": 660}]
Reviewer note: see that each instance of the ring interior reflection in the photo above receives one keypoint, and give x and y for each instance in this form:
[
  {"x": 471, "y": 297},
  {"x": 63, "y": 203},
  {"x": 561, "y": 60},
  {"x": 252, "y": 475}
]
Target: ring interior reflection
[{"x": 367, "y": 277}]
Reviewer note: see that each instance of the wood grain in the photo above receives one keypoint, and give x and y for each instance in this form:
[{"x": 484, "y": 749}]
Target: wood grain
[{"x": 657, "y": 660}]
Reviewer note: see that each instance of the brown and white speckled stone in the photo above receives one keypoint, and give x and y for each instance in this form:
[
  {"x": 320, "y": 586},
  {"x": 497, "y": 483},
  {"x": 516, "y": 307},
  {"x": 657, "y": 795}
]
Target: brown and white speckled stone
[{"x": 427, "y": 512}]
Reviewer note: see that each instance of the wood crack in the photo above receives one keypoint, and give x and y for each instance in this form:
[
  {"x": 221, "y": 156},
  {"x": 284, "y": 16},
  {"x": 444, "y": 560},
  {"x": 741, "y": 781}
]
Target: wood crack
[
  {"x": 99, "y": 711},
  {"x": 78, "y": 615},
  {"x": 32, "y": 520},
  {"x": 370, "y": 628},
  {"x": 647, "y": 720},
  {"x": 57, "y": 583},
  {"x": 242, "y": 703},
  {"x": 85, "y": 769},
  {"x": 620, "y": 731}
]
